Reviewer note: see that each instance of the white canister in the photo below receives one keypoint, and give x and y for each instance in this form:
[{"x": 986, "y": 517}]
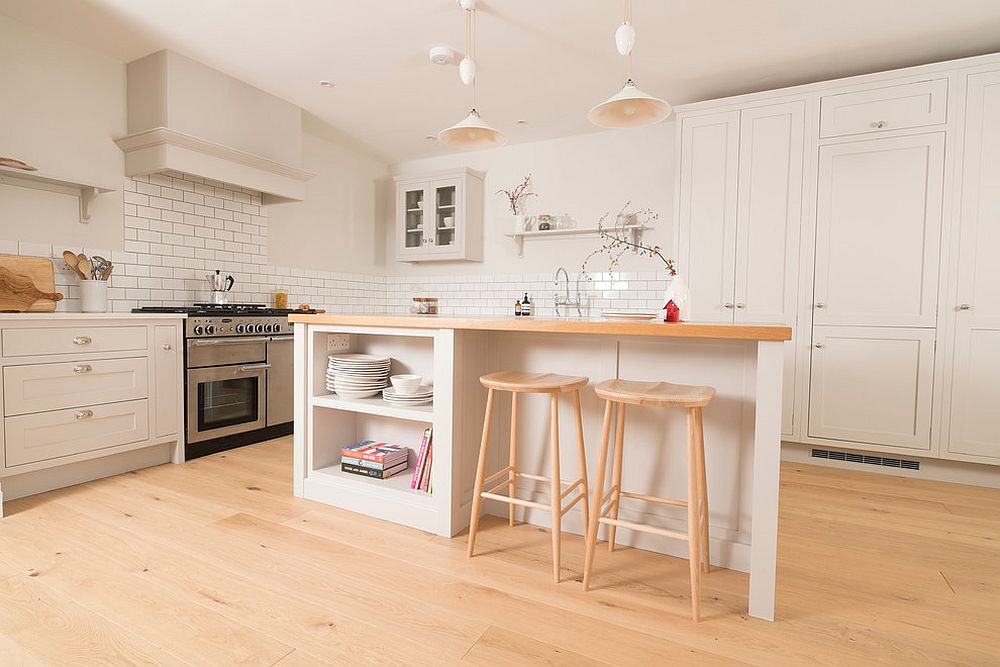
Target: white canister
[{"x": 94, "y": 296}]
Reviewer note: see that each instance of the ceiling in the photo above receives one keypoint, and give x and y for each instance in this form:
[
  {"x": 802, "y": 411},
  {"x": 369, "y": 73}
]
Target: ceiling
[{"x": 544, "y": 62}]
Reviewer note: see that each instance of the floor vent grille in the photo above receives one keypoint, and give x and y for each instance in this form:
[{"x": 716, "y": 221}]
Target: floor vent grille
[{"x": 852, "y": 457}]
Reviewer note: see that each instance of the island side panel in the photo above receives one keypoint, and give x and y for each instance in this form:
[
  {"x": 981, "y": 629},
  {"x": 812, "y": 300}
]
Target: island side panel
[{"x": 766, "y": 475}]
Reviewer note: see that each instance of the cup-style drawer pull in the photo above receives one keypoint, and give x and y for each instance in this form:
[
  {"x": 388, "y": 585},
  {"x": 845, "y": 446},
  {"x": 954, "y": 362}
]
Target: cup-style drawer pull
[
  {"x": 84, "y": 414},
  {"x": 82, "y": 340},
  {"x": 82, "y": 368},
  {"x": 879, "y": 124}
]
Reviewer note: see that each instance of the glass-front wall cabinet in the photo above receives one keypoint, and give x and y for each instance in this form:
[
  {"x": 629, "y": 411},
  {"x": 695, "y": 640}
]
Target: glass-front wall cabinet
[{"x": 439, "y": 216}]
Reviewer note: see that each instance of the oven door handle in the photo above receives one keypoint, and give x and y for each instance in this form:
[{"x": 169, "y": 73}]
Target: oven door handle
[
  {"x": 227, "y": 341},
  {"x": 255, "y": 367}
]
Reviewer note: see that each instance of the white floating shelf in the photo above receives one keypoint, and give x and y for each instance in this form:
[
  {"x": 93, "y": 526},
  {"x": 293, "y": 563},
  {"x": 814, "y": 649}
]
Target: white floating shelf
[
  {"x": 635, "y": 231},
  {"x": 85, "y": 192},
  {"x": 375, "y": 405}
]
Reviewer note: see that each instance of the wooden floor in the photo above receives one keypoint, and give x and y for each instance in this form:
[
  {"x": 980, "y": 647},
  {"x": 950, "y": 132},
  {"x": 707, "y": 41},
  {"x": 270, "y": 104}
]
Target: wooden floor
[{"x": 215, "y": 563}]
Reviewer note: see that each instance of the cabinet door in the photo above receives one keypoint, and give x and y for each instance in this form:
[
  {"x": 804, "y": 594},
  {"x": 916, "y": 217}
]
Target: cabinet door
[
  {"x": 768, "y": 217},
  {"x": 975, "y": 418},
  {"x": 707, "y": 212},
  {"x": 872, "y": 385},
  {"x": 445, "y": 228},
  {"x": 167, "y": 380},
  {"x": 878, "y": 231},
  {"x": 410, "y": 219}
]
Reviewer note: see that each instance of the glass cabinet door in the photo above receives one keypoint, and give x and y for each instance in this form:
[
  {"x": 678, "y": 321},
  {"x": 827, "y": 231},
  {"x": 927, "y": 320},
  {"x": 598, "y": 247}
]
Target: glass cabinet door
[
  {"x": 413, "y": 207},
  {"x": 447, "y": 224}
]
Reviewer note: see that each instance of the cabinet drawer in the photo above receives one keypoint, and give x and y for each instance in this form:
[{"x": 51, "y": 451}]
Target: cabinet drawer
[
  {"x": 72, "y": 340},
  {"x": 883, "y": 109},
  {"x": 50, "y": 435},
  {"x": 39, "y": 387}
]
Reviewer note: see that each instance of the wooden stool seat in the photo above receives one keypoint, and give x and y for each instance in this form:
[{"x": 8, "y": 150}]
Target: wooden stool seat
[
  {"x": 502, "y": 484},
  {"x": 532, "y": 383},
  {"x": 662, "y": 394},
  {"x": 606, "y": 503}
]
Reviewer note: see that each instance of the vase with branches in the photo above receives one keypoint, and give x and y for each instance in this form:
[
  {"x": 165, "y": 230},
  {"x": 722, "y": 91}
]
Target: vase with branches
[
  {"x": 622, "y": 236},
  {"x": 515, "y": 201}
]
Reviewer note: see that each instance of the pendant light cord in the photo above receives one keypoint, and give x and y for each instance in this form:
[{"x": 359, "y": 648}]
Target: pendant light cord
[
  {"x": 628, "y": 19},
  {"x": 470, "y": 47}
]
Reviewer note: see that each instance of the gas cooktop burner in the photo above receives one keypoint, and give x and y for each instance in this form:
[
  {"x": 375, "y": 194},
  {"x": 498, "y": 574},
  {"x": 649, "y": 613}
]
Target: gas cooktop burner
[{"x": 224, "y": 310}]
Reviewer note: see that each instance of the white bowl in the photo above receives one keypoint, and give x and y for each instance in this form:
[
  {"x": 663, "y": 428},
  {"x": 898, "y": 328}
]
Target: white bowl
[{"x": 405, "y": 384}]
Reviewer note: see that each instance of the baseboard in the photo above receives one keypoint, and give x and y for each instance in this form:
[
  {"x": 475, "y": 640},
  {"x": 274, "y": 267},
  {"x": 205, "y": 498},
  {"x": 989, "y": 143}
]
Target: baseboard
[
  {"x": 40, "y": 481},
  {"x": 957, "y": 472}
]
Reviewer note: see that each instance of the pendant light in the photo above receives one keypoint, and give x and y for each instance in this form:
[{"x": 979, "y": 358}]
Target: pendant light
[
  {"x": 630, "y": 107},
  {"x": 472, "y": 132}
]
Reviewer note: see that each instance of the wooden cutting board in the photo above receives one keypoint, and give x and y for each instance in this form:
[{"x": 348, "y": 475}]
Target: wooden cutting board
[{"x": 41, "y": 272}]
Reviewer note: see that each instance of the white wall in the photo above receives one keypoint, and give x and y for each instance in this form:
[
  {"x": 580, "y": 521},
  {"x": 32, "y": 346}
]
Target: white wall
[
  {"x": 584, "y": 176},
  {"x": 334, "y": 229},
  {"x": 62, "y": 105}
]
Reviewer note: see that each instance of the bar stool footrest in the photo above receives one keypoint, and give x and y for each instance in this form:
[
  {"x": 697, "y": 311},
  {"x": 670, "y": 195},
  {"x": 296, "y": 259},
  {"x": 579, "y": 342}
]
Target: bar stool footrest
[{"x": 645, "y": 529}]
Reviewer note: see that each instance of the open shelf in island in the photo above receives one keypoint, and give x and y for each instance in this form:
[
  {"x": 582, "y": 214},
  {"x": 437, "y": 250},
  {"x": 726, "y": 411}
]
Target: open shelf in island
[
  {"x": 375, "y": 405},
  {"x": 396, "y": 488}
]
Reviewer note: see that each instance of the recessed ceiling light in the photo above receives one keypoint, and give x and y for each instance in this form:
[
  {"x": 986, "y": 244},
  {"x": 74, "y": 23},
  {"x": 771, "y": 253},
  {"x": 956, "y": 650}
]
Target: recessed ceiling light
[
  {"x": 521, "y": 121},
  {"x": 430, "y": 137},
  {"x": 327, "y": 84}
]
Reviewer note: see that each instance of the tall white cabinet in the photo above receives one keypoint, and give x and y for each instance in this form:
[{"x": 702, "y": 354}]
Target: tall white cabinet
[
  {"x": 741, "y": 180},
  {"x": 864, "y": 213}
]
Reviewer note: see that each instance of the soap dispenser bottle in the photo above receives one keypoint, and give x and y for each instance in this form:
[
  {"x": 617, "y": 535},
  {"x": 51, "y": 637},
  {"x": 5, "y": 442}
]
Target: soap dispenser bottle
[{"x": 526, "y": 307}]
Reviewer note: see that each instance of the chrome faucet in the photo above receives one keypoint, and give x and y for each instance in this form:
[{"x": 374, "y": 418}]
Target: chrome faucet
[{"x": 566, "y": 302}]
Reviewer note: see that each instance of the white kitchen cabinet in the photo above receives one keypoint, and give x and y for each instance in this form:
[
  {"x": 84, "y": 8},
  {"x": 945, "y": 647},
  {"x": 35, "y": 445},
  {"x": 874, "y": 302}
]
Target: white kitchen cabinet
[
  {"x": 974, "y": 423},
  {"x": 872, "y": 385},
  {"x": 884, "y": 108},
  {"x": 440, "y": 216},
  {"x": 878, "y": 229},
  {"x": 740, "y": 207},
  {"x": 86, "y": 396},
  {"x": 709, "y": 164}
]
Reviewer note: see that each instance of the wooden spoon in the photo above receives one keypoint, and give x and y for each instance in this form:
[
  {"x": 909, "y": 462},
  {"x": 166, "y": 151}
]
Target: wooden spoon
[
  {"x": 72, "y": 262},
  {"x": 85, "y": 267}
]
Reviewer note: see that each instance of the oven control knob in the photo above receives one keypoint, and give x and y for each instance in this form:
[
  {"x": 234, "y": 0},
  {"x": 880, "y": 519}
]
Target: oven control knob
[
  {"x": 271, "y": 328},
  {"x": 258, "y": 328},
  {"x": 198, "y": 330},
  {"x": 239, "y": 328},
  {"x": 209, "y": 329}
]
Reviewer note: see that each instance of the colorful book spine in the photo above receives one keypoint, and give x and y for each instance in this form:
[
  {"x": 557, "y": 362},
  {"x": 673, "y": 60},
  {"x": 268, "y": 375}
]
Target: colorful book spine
[
  {"x": 369, "y": 472},
  {"x": 377, "y": 452},
  {"x": 428, "y": 464},
  {"x": 421, "y": 456},
  {"x": 368, "y": 464}
]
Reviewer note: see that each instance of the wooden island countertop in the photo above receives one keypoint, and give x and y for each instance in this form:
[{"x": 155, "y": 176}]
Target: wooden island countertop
[{"x": 758, "y": 332}]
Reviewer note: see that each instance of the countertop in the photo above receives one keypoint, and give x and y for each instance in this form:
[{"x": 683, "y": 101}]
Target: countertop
[
  {"x": 760, "y": 332},
  {"x": 63, "y": 316}
]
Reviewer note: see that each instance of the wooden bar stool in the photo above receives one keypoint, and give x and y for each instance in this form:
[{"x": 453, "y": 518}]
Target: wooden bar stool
[
  {"x": 531, "y": 383},
  {"x": 605, "y": 504}
]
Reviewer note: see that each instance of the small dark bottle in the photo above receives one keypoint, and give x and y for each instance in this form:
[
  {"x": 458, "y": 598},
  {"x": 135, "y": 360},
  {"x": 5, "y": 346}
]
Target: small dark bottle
[
  {"x": 517, "y": 308},
  {"x": 525, "y": 306}
]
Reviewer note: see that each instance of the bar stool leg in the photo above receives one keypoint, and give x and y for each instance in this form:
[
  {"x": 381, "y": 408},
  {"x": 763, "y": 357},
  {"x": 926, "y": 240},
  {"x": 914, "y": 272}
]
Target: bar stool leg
[
  {"x": 702, "y": 492},
  {"x": 616, "y": 474},
  {"x": 581, "y": 453},
  {"x": 596, "y": 504},
  {"x": 512, "y": 475},
  {"x": 693, "y": 532},
  {"x": 556, "y": 490},
  {"x": 480, "y": 474}
]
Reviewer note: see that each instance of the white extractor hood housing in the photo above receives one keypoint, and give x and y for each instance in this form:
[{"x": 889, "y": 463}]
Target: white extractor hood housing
[{"x": 188, "y": 117}]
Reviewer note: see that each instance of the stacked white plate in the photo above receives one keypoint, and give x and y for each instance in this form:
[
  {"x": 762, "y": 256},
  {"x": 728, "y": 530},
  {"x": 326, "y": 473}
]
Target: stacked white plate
[
  {"x": 357, "y": 375},
  {"x": 422, "y": 396}
]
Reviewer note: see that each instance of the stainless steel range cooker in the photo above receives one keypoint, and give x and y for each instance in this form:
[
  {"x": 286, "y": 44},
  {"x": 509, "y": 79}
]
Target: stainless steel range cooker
[{"x": 238, "y": 366}]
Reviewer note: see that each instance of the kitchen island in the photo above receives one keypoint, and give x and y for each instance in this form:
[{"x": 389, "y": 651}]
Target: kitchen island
[{"x": 742, "y": 426}]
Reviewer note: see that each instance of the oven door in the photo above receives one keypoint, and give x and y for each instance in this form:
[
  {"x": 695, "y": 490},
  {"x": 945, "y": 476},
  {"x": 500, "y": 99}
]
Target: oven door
[{"x": 226, "y": 400}]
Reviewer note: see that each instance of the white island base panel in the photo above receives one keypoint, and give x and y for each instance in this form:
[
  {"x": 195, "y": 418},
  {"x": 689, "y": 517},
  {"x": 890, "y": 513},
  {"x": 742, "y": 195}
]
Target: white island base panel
[{"x": 742, "y": 432}]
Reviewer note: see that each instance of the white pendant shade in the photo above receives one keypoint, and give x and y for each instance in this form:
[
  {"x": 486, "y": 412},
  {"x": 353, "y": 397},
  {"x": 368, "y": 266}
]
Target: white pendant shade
[
  {"x": 630, "y": 107},
  {"x": 472, "y": 134},
  {"x": 467, "y": 70}
]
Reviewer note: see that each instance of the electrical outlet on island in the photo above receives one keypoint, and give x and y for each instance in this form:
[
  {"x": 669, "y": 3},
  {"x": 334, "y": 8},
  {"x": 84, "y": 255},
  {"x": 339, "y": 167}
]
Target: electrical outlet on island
[{"x": 338, "y": 343}]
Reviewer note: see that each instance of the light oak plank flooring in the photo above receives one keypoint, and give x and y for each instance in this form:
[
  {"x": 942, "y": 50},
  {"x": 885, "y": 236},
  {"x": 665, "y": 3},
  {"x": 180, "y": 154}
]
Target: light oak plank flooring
[{"x": 214, "y": 562}]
